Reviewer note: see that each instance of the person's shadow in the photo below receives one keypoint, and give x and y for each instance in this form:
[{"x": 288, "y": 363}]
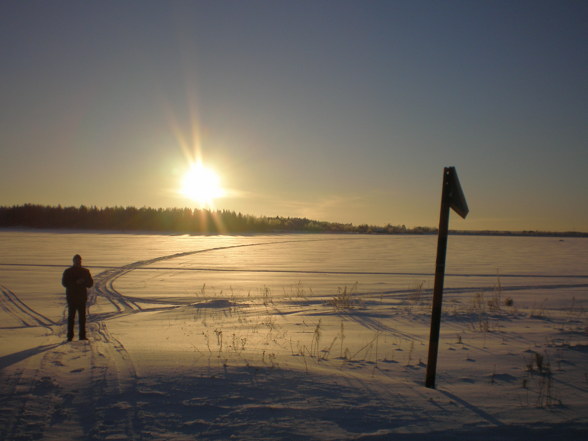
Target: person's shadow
[{"x": 15, "y": 357}]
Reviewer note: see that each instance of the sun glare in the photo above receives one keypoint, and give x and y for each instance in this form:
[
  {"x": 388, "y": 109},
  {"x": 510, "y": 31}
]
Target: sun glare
[{"x": 202, "y": 184}]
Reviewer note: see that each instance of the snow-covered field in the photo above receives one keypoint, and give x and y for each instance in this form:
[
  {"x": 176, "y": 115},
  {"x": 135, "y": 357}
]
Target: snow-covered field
[{"x": 294, "y": 337}]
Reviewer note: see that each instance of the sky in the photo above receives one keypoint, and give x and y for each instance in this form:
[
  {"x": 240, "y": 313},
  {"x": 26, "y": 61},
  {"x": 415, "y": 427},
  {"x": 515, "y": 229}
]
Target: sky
[{"x": 342, "y": 111}]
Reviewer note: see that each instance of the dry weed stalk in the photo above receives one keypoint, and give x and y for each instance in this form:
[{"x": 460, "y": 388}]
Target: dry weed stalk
[
  {"x": 344, "y": 300},
  {"x": 540, "y": 373},
  {"x": 315, "y": 344},
  {"x": 342, "y": 338},
  {"x": 417, "y": 297}
]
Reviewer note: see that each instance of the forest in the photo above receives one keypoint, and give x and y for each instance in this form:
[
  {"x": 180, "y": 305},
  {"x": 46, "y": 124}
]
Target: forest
[
  {"x": 203, "y": 221},
  {"x": 177, "y": 220}
]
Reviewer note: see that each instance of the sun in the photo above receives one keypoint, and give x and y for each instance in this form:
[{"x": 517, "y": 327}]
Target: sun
[{"x": 202, "y": 184}]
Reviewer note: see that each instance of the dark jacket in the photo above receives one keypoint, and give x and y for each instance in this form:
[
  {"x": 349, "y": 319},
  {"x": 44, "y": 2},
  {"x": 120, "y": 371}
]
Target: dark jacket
[{"x": 77, "y": 280}]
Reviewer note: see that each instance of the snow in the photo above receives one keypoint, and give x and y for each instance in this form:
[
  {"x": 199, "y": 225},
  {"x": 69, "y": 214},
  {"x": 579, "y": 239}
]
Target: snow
[{"x": 293, "y": 337}]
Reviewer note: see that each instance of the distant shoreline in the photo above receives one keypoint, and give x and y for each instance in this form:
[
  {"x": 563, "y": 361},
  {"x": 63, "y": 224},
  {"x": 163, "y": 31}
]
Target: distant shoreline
[
  {"x": 175, "y": 221},
  {"x": 570, "y": 234},
  {"x": 530, "y": 233}
]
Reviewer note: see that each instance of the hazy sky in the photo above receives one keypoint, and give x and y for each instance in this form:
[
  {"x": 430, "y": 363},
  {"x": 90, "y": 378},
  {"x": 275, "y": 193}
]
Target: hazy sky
[{"x": 334, "y": 110}]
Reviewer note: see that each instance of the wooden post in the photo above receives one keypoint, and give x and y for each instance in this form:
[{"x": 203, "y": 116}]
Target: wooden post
[{"x": 439, "y": 278}]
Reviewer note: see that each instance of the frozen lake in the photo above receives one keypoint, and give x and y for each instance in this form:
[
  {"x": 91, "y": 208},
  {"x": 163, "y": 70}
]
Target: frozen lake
[
  {"x": 552, "y": 271},
  {"x": 315, "y": 337}
]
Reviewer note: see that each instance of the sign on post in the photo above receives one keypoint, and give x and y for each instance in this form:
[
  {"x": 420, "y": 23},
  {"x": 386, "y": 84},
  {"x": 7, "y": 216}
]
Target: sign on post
[{"x": 451, "y": 197}]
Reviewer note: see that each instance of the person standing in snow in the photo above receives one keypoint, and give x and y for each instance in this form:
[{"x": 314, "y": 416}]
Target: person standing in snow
[{"x": 76, "y": 280}]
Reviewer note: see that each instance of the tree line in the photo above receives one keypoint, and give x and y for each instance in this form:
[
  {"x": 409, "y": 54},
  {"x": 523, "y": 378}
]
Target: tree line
[
  {"x": 178, "y": 220},
  {"x": 199, "y": 221}
]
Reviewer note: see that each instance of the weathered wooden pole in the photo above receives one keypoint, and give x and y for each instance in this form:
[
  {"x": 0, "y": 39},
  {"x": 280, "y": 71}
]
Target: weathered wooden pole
[{"x": 451, "y": 197}]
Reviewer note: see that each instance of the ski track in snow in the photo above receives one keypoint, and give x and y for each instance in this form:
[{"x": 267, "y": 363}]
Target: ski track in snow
[
  {"x": 68, "y": 390},
  {"x": 73, "y": 391},
  {"x": 103, "y": 282},
  {"x": 11, "y": 304}
]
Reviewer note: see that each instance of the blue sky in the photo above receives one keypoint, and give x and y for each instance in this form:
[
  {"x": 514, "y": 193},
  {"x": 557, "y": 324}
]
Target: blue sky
[{"x": 334, "y": 110}]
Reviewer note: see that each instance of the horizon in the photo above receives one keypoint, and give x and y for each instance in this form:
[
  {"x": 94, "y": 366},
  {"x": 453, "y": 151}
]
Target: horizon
[{"x": 338, "y": 111}]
